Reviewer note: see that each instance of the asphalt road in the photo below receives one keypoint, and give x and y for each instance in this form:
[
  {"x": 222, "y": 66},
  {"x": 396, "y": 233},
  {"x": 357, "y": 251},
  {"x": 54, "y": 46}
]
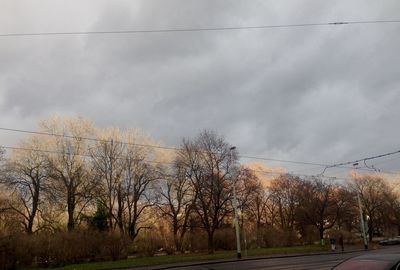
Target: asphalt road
[{"x": 321, "y": 262}]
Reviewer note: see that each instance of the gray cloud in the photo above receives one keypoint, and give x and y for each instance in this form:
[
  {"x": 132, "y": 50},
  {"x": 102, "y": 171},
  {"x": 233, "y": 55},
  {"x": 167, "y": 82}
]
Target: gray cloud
[{"x": 323, "y": 94}]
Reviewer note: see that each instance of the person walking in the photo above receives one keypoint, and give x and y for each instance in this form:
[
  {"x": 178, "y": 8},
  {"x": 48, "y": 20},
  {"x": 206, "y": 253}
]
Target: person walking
[
  {"x": 332, "y": 240},
  {"x": 341, "y": 242}
]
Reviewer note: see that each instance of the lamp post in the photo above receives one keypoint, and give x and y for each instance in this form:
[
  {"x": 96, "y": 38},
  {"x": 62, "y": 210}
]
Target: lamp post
[
  {"x": 362, "y": 222},
  {"x": 234, "y": 203}
]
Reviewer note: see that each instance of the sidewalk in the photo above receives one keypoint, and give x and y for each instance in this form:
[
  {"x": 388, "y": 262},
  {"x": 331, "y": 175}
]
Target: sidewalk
[{"x": 348, "y": 249}]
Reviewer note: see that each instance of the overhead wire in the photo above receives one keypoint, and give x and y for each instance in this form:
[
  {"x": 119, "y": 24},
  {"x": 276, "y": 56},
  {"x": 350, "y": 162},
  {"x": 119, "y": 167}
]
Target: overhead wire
[
  {"x": 337, "y": 165},
  {"x": 282, "y": 160},
  {"x": 86, "y": 138},
  {"x": 143, "y": 145},
  {"x": 75, "y": 154},
  {"x": 353, "y": 162},
  {"x": 299, "y": 175},
  {"x": 386, "y": 161},
  {"x": 149, "y": 161},
  {"x": 356, "y": 162},
  {"x": 177, "y": 30}
]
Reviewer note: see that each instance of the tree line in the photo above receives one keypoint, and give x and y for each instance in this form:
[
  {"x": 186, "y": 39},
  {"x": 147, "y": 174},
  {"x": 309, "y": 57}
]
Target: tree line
[{"x": 111, "y": 181}]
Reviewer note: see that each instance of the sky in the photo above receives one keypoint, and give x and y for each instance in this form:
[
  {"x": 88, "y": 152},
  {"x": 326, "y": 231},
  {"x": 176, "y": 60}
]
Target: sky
[{"x": 322, "y": 94}]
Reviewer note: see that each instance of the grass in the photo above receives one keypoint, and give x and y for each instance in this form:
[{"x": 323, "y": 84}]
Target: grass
[{"x": 219, "y": 255}]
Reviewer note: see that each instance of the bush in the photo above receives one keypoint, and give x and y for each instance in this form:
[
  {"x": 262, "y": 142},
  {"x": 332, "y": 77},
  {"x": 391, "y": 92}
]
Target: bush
[
  {"x": 58, "y": 249},
  {"x": 7, "y": 254},
  {"x": 225, "y": 239},
  {"x": 310, "y": 235},
  {"x": 148, "y": 244},
  {"x": 115, "y": 246},
  {"x": 197, "y": 240},
  {"x": 278, "y": 238}
]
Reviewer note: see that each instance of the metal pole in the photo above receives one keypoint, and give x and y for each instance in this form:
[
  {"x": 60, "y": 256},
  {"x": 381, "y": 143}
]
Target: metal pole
[
  {"x": 236, "y": 221},
  {"x": 244, "y": 236},
  {"x": 362, "y": 222}
]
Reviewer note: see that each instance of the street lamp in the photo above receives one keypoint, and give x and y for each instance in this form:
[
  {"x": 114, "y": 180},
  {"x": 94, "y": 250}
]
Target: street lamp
[
  {"x": 362, "y": 224},
  {"x": 235, "y": 204},
  {"x": 362, "y": 221}
]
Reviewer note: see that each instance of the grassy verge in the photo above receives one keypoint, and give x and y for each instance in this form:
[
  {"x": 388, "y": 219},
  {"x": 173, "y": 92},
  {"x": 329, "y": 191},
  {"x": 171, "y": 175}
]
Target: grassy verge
[{"x": 146, "y": 261}]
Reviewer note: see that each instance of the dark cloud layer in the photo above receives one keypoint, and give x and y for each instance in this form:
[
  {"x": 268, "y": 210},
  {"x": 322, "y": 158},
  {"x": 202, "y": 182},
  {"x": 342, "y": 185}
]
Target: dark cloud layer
[{"x": 323, "y": 94}]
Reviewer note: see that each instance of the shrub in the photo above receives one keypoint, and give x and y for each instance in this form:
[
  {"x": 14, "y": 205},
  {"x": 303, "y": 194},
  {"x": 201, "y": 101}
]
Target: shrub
[
  {"x": 62, "y": 248},
  {"x": 225, "y": 239},
  {"x": 148, "y": 244},
  {"x": 115, "y": 246},
  {"x": 279, "y": 238},
  {"x": 7, "y": 254}
]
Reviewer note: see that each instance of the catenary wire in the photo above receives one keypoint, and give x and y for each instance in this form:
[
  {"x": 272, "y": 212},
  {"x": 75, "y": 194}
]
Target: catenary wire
[
  {"x": 282, "y": 160},
  {"x": 145, "y": 145},
  {"x": 175, "y": 30},
  {"x": 75, "y": 154},
  {"x": 362, "y": 159},
  {"x": 86, "y": 138},
  {"x": 339, "y": 165},
  {"x": 149, "y": 161}
]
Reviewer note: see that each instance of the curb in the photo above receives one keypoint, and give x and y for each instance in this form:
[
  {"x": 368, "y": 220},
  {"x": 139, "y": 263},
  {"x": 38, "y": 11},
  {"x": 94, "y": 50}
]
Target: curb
[{"x": 189, "y": 264}]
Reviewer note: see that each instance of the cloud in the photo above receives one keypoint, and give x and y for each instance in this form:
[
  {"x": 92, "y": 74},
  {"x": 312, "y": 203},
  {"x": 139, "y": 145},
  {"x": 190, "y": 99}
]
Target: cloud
[{"x": 323, "y": 94}]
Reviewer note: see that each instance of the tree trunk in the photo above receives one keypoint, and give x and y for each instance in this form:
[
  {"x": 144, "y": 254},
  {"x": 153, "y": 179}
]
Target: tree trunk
[
  {"x": 177, "y": 242},
  {"x": 120, "y": 211},
  {"x": 71, "y": 210},
  {"x": 35, "y": 204},
  {"x": 321, "y": 235},
  {"x": 259, "y": 234},
  {"x": 370, "y": 230},
  {"x": 210, "y": 242},
  {"x": 29, "y": 229}
]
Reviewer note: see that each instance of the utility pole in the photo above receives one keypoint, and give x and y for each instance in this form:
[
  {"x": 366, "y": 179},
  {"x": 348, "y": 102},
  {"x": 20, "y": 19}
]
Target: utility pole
[
  {"x": 362, "y": 222},
  {"x": 235, "y": 204}
]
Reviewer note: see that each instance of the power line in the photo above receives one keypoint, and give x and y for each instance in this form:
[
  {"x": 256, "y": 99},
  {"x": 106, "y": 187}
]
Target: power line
[
  {"x": 92, "y": 156},
  {"x": 86, "y": 138},
  {"x": 282, "y": 160},
  {"x": 385, "y": 161},
  {"x": 75, "y": 154},
  {"x": 299, "y": 175},
  {"x": 356, "y": 162},
  {"x": 144, "y": 145},
  {"x": 149, "y": 161},
  {"x": 307, "y": 169},
  {"x": 177, "y": 30},
  {"x": 170, "y": 163},
  {"x": 363, "y": 159},
  {"x": 339, "y": 165},
  {"x": 303, "y": 163}
]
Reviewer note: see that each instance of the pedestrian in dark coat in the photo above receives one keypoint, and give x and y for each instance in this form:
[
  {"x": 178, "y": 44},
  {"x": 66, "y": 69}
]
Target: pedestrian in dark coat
[{"x": 341, "y": 242}]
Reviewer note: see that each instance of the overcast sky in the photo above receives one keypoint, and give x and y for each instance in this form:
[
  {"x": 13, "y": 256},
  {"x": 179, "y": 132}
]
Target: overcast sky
[{"x": 323, "y": 94}]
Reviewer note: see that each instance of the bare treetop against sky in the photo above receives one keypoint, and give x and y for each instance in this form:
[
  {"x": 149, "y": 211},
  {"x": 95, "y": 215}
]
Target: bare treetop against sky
[{"x": 322, "y": 93}]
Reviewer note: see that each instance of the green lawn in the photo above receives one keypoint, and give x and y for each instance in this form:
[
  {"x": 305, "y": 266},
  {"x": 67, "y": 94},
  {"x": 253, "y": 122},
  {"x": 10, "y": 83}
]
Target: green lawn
[{"x": 144, "y": 261}]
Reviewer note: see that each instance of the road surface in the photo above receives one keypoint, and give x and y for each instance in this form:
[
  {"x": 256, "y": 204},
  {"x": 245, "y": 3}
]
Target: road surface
[{"x": 320, "y": 262}]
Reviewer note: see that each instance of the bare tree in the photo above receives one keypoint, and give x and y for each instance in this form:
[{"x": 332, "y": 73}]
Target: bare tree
[
  {"x": 347, "y": 208},
  {"x": 284, "y": 195},
  {"x": 253, "y": 200},
  {"x": 207, "y": 160},
  {"x": 139, "y": 180},
  {"x": 108, "y": 166},
  {"x": 317, "y": 205},
  {"x": 374, "y": 193},
  {"x": 25, "y": 175},
  {"x": 71, "y": 181},
  {"x": 176, "y": 202},
  {"x": 392, "y": 216}
]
